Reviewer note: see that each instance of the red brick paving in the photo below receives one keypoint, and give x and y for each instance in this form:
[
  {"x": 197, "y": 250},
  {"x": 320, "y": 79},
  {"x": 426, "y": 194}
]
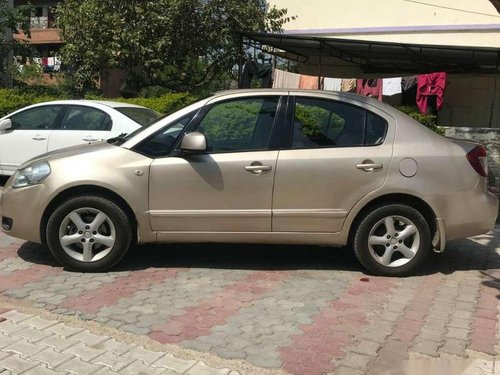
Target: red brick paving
[
  {"x": 334, "y": 328},
  {"x": 19, "y": 278},
  {"x": 483, "y": 335},
  {"x": 122, "y": 287},
  {"x": 408, "y": 327},
  {"x": 215, "y": 310}
]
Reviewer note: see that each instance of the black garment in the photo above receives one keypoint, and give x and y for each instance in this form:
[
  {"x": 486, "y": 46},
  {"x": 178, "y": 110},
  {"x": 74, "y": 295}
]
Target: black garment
[
  {"x": 409, "y": 90},
  {"x": 253, "y": 70}
]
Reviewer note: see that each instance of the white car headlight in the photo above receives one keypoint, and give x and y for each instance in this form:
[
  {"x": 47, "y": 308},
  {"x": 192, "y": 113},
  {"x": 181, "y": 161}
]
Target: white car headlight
[{"x": 32, "y": 175}]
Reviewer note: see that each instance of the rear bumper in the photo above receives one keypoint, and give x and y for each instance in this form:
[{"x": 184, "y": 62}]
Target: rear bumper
[{"x": 466, "y": 213}]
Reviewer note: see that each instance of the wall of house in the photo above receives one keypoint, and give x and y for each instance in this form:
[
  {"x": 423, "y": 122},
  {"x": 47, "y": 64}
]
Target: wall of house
[
  {"x": 471, "y": 101},
  {"x": 442, "y": 22},
  {"x": 491, "y": 139}
]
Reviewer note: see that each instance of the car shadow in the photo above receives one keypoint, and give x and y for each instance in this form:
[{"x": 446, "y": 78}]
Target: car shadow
[{"x": 478, "y": 253}]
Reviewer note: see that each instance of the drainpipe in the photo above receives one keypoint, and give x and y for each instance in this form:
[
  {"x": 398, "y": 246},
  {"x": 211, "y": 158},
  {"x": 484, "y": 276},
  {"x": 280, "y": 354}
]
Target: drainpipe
[{"x": 493, "y": 100}]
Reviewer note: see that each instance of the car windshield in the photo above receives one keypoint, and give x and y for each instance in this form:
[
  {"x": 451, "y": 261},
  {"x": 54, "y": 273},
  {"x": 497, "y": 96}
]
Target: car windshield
[{"x": 143, "y": 116}]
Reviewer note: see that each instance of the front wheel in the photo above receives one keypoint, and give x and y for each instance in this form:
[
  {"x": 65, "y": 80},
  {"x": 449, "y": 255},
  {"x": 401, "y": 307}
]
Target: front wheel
[
  {"x": 89, "y": 234},
  {"x": 392, "y": 240}
]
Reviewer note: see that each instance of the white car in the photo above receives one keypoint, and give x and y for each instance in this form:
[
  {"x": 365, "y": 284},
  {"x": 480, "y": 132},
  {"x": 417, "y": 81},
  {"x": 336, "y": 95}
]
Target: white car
[{"x": 45, "y": 127}]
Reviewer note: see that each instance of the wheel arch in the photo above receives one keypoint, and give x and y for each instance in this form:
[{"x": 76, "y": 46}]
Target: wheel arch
[
  {"x": 396, "y": 198},
  {"x": 84, "y": 190}
]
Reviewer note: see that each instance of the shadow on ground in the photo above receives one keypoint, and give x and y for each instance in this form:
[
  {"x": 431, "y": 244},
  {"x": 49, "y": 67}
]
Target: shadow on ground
[{"x": 478, "y": 253}]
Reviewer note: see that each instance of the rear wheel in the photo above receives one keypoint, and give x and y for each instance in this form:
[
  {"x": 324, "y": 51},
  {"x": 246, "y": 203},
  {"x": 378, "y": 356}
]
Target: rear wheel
[
  {"x": 392, "y": 240},
  {"x": 89, "y": 234}
]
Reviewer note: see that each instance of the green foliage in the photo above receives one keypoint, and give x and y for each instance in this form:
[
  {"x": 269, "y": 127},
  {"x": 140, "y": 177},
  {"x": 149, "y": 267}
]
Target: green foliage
[
  {"x": 13, "y": 99},
  {"x": 164, "y": 104},
  {"x": 13, "y": 20},
  {"x": 318, "y": 122},
  {"x": 183, "y": 45},
  {"x": 232, "y": 120},
  {"x": 429, "y": 121}
]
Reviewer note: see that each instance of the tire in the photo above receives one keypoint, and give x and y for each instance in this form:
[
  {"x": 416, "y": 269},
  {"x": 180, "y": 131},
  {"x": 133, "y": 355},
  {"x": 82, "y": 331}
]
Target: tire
[
  {"x": 75, "y": 227},
  {"x": 371, "y": 240}
]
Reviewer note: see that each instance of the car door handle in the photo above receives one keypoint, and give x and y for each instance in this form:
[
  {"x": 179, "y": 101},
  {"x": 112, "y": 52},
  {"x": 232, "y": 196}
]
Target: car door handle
[
  {"x": 90, "y": 139},
  {"x": 369, "y": 167},
  {"x": 39, "y": 137},
  {"x": 258, "y": 168}
]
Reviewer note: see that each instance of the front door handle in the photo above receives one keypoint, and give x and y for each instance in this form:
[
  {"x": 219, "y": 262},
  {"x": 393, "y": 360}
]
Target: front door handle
[
  {"x": 369, "y": 167},
  {"x": 39, "y": 137},
  {"x": 258, "y": 168},
  {"x": 90, "y": 139}
]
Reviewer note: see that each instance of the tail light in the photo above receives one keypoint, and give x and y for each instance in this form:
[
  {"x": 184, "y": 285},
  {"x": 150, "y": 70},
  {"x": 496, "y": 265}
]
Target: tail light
[{"x": 478, "y": 161}]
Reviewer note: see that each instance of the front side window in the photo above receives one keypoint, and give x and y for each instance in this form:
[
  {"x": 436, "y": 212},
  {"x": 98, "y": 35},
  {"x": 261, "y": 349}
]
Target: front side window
[
  {"x": 39, "y": 118},
  {"x": 324, "y": 123},
  {"x": 240, "y": 124},
  {"x": 86, "y": 118}
]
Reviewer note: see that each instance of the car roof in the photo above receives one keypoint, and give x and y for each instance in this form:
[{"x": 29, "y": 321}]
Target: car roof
[
  {"x": 106, "y": 103},
  {"x": 347, "y": 96}
]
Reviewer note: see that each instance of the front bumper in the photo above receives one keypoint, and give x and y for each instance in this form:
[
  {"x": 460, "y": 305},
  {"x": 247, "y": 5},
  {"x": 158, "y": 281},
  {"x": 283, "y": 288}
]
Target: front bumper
[{"x": 25, "y": 207}]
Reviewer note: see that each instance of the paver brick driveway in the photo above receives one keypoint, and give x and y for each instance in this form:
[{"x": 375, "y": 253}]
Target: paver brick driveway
[{"x": 308, "y": 310}]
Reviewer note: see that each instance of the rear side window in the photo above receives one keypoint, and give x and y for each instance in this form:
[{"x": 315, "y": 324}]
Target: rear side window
[
  {"x": 143, "y": 116},
  {"x": 320, "y": 123},
  {"x": 86, "y": 118}
]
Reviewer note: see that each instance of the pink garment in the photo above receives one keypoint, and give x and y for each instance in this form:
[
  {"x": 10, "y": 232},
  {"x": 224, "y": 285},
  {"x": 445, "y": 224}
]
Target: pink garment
[
  {"x": 432, "y": 84},
  {"x": 308, "y": 82},
  {"x": 370, "y": 87}
]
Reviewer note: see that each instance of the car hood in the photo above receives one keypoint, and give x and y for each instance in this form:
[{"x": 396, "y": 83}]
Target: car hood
[{"x": 67, "y": 152}]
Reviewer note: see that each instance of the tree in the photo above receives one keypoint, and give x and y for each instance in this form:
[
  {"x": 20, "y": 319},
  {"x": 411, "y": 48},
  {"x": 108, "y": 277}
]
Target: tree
[
  {"x": 182, "y": 45},
  {"x": 11, "y": 20}
]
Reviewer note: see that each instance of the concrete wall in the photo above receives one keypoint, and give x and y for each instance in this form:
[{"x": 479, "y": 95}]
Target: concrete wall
[
  {"x": 491, "y": 139},
  {"x": 445, "y": 22},
  {"x": 469, "y": 101}
]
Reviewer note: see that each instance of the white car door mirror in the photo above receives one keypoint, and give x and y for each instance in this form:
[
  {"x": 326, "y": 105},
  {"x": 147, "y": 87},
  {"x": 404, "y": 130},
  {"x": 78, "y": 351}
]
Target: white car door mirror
[
  {"x": 194, "y": 143},
  {"x": 5, "y": 124}
]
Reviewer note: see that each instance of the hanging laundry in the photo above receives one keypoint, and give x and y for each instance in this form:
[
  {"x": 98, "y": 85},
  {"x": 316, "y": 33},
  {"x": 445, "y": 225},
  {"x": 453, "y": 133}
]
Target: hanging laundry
[
  {"x": 430, "y": 87},
  {"x": 45, "y": 61},
  {"x": 285, "y": 80},
  {"x": 51, "y": 61},
  {"x": 332, "y": 84},
  {"x": 370, "y": 87},
  {"x": 409, "y": 89},
  {"x": 348, "y": 85},
  {"x": 391, "y": 86},
  {"x": 308, "y": 82}
]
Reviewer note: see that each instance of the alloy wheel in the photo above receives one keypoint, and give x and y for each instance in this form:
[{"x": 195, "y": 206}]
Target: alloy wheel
[
  {"x": 87, "y": 234},
  {"x": 394, "y": 241}
]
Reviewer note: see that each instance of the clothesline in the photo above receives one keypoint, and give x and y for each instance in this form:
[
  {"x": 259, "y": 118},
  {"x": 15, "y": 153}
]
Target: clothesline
[{"x": 415, "y": 90}]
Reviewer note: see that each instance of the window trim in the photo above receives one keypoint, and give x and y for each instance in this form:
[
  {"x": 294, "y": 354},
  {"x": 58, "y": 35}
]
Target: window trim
[
  {"x": 168, "y": 153},
  {"x": 278, "y": 119},
  {"x": 67, "y": 107},
  {"x": 291, "y": 122},
  {"x": 55, "y": 124}
]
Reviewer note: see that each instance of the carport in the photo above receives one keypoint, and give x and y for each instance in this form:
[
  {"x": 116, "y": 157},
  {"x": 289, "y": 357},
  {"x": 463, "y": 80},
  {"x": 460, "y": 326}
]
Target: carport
[{"x": 345, "y": 58}]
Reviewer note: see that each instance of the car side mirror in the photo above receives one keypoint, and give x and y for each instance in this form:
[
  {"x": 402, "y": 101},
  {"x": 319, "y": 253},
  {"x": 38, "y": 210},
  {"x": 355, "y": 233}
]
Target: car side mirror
[
  {"x": 5, "y": 124},
  {"x": 194, "y": 143}
]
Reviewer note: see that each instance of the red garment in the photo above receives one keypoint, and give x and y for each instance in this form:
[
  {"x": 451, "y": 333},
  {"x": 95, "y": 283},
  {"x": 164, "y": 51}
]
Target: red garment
[
  {"x": 432, "y": 84},
  {"x": 370, "y": 87},
  {"x": 45, "y": 61}
]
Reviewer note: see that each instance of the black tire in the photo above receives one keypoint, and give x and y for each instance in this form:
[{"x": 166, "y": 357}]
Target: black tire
[
  {"x": 361, "y": 247},
  {"x": 121, "y": 221}
]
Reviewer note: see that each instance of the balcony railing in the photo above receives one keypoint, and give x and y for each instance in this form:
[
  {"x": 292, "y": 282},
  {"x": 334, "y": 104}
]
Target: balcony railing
[{"x": 39, "y": 22}]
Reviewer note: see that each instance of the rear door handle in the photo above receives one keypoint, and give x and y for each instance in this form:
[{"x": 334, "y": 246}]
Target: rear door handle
[
  {"x": 39, "y": 137},
  {"x": 369, "y": 167},
  {"x": 90, "y": 139},
  {"x": 258, "y": 168}
]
